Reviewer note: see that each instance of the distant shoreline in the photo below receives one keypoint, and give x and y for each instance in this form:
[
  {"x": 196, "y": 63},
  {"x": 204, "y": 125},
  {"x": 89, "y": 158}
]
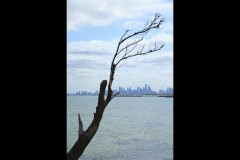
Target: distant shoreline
[
  {"x": 166, "y": 96},
  {"x": 128, "y": 96},
  {"x": 170, "y": 96}
]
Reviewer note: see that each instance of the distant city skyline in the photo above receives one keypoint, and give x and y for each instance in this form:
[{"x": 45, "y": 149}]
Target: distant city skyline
[
  {"x": 146, "y": 89},
  {"x": 94, "y": 32}
]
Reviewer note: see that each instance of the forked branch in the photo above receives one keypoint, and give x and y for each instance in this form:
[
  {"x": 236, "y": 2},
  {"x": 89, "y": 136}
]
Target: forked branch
[{"x": 130, "y": 50}]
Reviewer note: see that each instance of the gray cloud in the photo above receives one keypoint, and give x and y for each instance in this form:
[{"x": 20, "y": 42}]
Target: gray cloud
[
  {"x": 100, "y": 13},
  {"x": 160, "y": 61},
  {"x": 89, "y": 52},
  {"x": 88, "y": 62},
  {"x": 85, "y": 63}
]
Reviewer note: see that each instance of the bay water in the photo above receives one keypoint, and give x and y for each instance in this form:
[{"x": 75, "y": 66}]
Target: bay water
[{"x": 132, "y": 128}]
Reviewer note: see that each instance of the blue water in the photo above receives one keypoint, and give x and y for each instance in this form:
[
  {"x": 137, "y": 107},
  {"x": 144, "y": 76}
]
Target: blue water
[{"x": 132, "y": 128}]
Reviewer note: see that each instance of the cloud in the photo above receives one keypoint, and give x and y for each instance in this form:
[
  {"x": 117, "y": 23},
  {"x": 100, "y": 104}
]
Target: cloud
[
  {"x": 166, "y": 27},
  {"x": 160, "y": 38},
  {"x": 85, "y": 63},
  {"x": 86, "y": 52},
  {"x": 104, "y": 12},
  {"x": 160, "y": 61},
  {"x": 74, "y": 73},
  {"x": 133, "y": 24},
  {"x": 91, "y": 47},
  {"x": 88, "y": 61}
]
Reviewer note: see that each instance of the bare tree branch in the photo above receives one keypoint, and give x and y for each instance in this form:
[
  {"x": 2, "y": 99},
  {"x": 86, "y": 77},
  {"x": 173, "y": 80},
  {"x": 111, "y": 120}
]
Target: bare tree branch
[
  {"x": 130, "y": 44},
  {"x": 80, "y": 131},
  {"x": 115, "y": 95},
  {"x": 140, "y": 53},
  {"x": 85, "y": 137},
  {"x": 154, "y": 24},
  {"x": 119, "y": 66},
  {"x": 127, "y": 30}
]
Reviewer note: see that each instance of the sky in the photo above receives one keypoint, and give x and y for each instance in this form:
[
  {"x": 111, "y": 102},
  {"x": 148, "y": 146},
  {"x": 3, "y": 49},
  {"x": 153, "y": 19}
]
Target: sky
[{"x": 94, "y": 28}]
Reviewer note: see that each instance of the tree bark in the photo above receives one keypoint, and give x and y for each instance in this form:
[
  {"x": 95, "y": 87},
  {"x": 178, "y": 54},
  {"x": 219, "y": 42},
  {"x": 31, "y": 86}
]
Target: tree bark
[{"x": 85, "y": 137}]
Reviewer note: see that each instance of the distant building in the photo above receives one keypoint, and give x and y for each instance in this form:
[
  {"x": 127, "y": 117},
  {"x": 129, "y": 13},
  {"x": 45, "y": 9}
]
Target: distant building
[{"x": 145, "y": 90}]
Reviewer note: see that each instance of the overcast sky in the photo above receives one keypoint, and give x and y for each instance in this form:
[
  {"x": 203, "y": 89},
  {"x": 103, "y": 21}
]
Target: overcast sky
[{"x": 94, "y": 28}]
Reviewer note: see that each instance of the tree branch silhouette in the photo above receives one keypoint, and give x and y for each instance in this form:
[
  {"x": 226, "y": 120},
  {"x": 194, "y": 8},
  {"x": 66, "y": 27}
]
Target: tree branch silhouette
[{"x": 84, "y": 137}]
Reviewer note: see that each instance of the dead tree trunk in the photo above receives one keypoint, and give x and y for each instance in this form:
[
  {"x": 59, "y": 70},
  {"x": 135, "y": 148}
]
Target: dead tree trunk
[{"x": 84, "y": 137}]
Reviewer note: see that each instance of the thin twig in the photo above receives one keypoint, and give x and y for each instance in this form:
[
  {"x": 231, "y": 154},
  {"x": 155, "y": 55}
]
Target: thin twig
[
  {"x": 115, "y": 94},
  {"x": 130, "y": 47}
]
